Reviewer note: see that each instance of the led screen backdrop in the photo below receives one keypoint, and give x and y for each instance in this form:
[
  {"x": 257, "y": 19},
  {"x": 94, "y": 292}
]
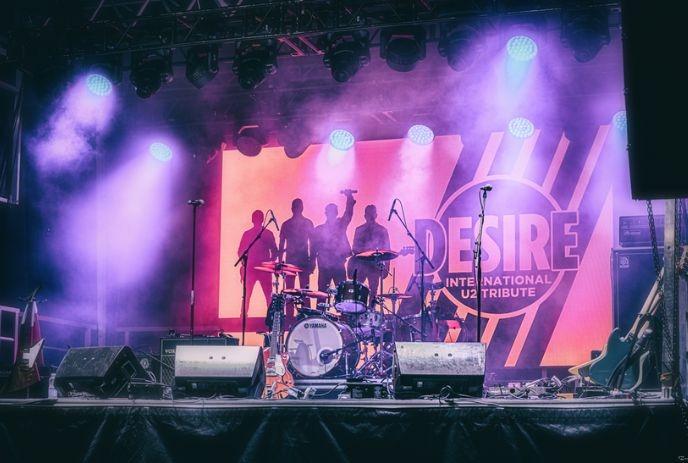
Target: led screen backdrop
[{"x": 548, "y": 227}]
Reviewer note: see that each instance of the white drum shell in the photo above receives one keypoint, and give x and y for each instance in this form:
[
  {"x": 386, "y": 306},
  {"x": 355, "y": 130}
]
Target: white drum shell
[{"x": 312, "y": 336}]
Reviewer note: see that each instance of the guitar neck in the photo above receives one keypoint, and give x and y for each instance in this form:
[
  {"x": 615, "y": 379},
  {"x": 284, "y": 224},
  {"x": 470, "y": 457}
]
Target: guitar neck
[{"x": 275, "y": 333}]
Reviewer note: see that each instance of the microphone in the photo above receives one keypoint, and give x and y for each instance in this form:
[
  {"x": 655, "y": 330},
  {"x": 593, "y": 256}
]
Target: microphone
[
  {"x": 195, "y": 202},
  {"x": 347, "y": 191},
  {"x": 325, "y": 355},
  {"x": 391, "y": 210},
  {"x": 274, "y": 220},
  {"x": 486, "y": 187}
]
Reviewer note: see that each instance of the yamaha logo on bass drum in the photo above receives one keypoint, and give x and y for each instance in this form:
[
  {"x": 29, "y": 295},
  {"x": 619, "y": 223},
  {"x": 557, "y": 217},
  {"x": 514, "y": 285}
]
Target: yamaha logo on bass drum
[{"x": 314, "y": 325}]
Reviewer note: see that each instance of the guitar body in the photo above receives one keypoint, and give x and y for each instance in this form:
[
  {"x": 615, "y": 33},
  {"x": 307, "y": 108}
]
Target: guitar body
[
  {"x": 278, "y": 379},
  {"x": 600, "y": 370},
  {"x": 639, "y": 369}
]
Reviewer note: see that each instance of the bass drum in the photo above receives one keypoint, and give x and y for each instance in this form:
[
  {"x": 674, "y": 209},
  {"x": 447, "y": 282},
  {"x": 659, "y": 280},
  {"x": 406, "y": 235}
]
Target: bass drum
[{"x": 320, "y": 348}]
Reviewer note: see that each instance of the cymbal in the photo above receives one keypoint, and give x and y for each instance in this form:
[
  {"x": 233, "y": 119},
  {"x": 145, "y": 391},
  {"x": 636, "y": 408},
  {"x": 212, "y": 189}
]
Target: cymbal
[
  {"x": 306, "y": 293},
  {"x": 267, "y": 269},
  {"x": 395, "y": 296},
  {"x": 280, "y": 267},
  {"x": 377, "y": 255}
]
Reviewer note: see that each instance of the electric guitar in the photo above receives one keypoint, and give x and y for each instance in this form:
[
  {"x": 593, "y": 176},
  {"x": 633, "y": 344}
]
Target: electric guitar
[
  {"x": 25, "y": 370},
  {"x": 625, "y": 362},
  {"x": 278, "y": 379}
]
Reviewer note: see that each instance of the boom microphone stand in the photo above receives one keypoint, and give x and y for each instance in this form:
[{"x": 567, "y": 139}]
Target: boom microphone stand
[
  {"x": 243, "y": 259},
  {"x": 196, "y": 203},
  {"x": 478, "y": 255},
  {"x": 423, "y": 259}
]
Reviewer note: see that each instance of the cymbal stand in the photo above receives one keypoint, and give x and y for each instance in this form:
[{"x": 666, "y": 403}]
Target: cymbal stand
[{"x": 380, "y": 300}]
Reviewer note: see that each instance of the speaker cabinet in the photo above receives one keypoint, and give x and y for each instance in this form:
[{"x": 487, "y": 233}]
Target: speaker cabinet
[
  {"x": 201, "y": 371},
  {"x": 633, "y": 274},
  {"x": 101, "y": 371},
  {"x": 168, "y": 348},
  {"x": 425, "y": 368},
  {"x": 652, "y": 78}
]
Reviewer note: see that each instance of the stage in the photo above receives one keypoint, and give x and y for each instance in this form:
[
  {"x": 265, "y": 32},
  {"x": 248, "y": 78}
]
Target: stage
[{"x": 341, "y": 430}]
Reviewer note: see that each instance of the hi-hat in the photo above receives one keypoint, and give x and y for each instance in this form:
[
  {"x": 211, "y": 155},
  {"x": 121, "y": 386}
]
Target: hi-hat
[
  {"x": 306, "y": 293},
  {"x": 279, "y": 268}
]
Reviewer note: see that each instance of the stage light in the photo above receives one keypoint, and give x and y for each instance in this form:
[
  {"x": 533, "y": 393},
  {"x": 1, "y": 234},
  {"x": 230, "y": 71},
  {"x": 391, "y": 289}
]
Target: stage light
[
  {"x": 521, "y": 48},
  {"x": 402, "y": 47},
  {"x": 295, "y": 140},
  {"x": 520, "y": 127},
  {"x": 619, "y": 121},
  {"x": 98, "y": 84},
  {"x": 585, "y": 32},
  {"x": 420, "y": 134},
  {"x": 202, "y": 64},
  {"x": 249, "y": 140},
  {"x": 160, "y": 151},
  {"x": 253, "y": 61},
  {"x": 149, "y": 71},
  {"x": 459, "y": 46},
  {"x": 345, "y": 54},
  {"x": 108, "y": 69},
  {"x": 341, "y": 139}
]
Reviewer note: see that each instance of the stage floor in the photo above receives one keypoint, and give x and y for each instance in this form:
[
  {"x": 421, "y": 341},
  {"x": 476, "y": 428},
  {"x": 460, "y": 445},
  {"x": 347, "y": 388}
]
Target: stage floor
[{"x": 340, "y": 430}]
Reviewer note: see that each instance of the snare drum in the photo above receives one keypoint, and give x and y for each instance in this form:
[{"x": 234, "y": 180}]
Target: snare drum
[
  {"x": 351, "y": 297},
  {"x": 319, "y": 347}
]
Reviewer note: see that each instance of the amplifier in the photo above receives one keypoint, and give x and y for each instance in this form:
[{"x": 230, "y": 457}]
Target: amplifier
[
  {"x": 634, "y": 231},
  {"x": 633, "y": 274},
  {"x": 168, "y": 348}
]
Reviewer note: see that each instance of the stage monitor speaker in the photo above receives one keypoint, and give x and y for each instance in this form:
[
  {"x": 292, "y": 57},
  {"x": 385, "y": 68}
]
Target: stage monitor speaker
[
  {"x": 237, "y": 371},
  {"x": 426, "y": 368},
  {"x": 653, "y": 78},
  {"x": 101, "y": 371},
  {"x": 168, "y": 348},
  {"x": 633, "y": 274}
]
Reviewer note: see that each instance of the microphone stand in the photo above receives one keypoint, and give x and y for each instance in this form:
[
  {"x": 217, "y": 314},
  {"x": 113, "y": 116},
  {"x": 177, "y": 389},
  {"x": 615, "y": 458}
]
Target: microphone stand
[
  {"x": 243, "y": 259},
  {"x": 192, "y": 300},
  {"x": 478, "y": 256},
  {"x": 423, "y": 259}
]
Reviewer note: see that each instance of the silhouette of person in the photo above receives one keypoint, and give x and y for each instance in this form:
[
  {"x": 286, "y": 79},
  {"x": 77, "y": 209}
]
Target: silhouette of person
[
  {"x": 295, "y": 244},
  {"x": 295, "y": 248},
  {"x": 330, "y": 245},
  {"x": 369, "y": 237},
  {"x": 263, "y": 250}
]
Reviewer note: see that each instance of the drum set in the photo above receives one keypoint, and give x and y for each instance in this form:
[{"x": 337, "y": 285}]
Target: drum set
[{"x": 348, "y": 334}]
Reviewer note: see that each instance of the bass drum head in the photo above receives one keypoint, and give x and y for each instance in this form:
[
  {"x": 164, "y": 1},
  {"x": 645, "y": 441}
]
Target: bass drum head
[{"x": 312, "y": 337}]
